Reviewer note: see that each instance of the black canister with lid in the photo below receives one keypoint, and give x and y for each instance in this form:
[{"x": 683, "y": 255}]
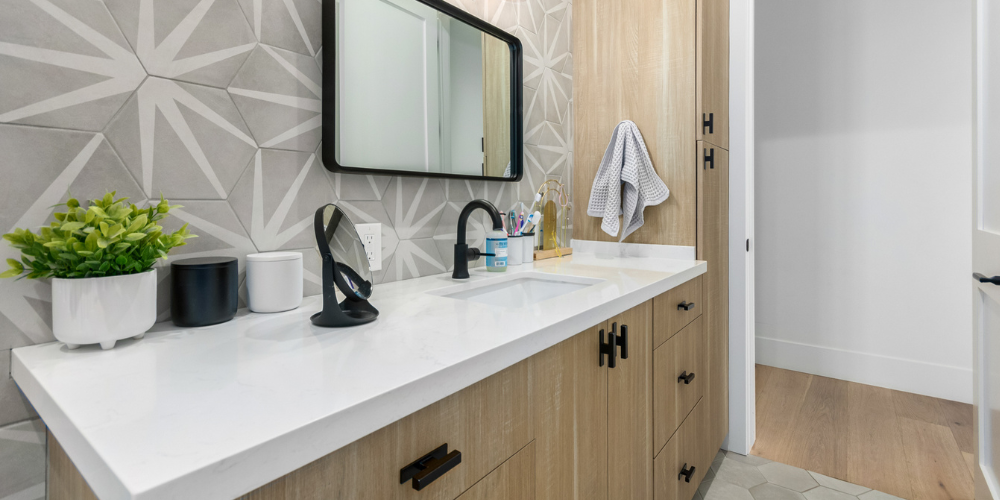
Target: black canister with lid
[{"x": 204, "y": 291}]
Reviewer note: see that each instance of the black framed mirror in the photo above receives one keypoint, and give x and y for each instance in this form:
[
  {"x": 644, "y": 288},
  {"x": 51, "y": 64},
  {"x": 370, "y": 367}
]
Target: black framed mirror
[
  {"x": 345, "y": 268},
  {"x": 420, "y": 88}
]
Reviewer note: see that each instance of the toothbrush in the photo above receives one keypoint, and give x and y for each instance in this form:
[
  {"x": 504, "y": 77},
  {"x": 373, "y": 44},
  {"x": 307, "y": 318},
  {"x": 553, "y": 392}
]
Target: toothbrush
[{"x": 532, "y": 220}]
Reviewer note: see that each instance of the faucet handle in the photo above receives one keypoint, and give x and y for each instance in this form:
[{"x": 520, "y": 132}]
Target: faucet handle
[{"x": 474, "y": 254}]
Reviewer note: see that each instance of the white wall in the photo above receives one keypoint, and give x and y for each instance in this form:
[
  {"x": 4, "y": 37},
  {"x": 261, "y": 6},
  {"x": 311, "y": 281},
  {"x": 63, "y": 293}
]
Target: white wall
[{"x": 863, "y": 246}]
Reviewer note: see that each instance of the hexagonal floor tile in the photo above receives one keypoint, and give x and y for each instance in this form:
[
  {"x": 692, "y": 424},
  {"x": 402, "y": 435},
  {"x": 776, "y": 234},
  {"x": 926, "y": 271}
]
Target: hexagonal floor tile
[
  {"x": 277, "y": 198},
  {"x": 771, "y": 491},
  {"x": 721, "y": 490},
  {"x": 295, "y": 25},
  {"x": 740, "y": 474},
  {"x": 824, "y": 493},
  {"x": 279, "y": 94},
  {"x": 182, "y": 140},
  {"x": 790, "y": 477},
  {"x": 67, "y": 62},
  {"x": 197, "y": 41}
]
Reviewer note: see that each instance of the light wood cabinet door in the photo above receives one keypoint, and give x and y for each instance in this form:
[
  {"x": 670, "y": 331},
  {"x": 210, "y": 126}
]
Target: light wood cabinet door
[
  {"x": 513, "y": 480},
  {"x": 687, "y": 453},
  {"x": 679, "y": 377},
  {"x": 675, "y": 309},
  {"x": 487, "y": 422},
  {"x": 571, "y": 420},
  {"x": 630, "y": 428},
  {"x": 713, "y": 72},
  {"x": 713, "y": 247}
]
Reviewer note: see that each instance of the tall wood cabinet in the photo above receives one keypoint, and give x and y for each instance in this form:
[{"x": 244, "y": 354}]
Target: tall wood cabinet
[{"x": 664, "y": 64}]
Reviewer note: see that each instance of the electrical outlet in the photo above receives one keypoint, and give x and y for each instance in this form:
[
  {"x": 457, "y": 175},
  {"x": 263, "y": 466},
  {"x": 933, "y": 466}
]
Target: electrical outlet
[{"x": 371, "y": 237}]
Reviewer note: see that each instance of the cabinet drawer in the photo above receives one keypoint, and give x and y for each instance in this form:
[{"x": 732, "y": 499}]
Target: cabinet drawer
[
  {"x": 689, "y": 447},
  {"x": 513, "y": 480},
  {"x": 684, "y": 355},
  {"x": 487, "y": 422},
  {"x": 675, "y": 309}
]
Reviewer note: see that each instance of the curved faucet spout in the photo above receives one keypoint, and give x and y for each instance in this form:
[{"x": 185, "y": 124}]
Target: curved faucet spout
[{"x": 463, "y": 255}]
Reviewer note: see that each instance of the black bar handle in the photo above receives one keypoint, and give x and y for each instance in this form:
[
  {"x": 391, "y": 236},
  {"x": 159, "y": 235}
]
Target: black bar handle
[
  {"x": 708, "y": 123},
  {"x": 426, "y": 469},
  {"x": 685, "y": 306},
  {"x": 436, "y": 468},
  {"x": 623, "y": 341},
  {"x": 685, "y": 377},
  {"x": 983, "y": 279},
  {"x": 686, "y": 473},
  {"x": 606, "y": 349},
  {"x": 612, "y": 350}
]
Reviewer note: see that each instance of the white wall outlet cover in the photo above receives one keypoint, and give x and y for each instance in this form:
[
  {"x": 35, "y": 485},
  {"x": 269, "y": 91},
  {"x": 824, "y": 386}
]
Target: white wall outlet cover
[{"x": 371, "y": 237}]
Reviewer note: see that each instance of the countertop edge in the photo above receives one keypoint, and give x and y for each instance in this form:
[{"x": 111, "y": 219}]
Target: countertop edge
[{"x": 242, "y": 472}]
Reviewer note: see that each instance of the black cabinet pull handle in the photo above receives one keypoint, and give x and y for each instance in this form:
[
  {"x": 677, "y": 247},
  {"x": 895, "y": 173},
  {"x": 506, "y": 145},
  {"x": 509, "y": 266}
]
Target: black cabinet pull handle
[
  {"x": 609, "y": 348},
  {"x": 623, "y": 341},
  {"x": 685, "y": 377},
  {"x": 983, "y": 279},
  {"x": 686, "y": 473},
  {"x": 426, "y": 469},
  {"x": 685, "y": 306}
]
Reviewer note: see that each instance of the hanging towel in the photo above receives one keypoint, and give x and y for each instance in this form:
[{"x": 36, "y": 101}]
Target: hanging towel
[{"x": 627, "y": 162}]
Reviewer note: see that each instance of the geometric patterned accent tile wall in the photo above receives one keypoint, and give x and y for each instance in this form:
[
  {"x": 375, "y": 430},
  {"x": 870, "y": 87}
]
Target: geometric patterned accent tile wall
[{"x": 216, "y": 104}]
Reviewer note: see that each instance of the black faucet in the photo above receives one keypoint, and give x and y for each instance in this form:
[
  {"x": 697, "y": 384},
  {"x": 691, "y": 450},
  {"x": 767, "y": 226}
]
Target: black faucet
[{"x": 464, "y": 254}]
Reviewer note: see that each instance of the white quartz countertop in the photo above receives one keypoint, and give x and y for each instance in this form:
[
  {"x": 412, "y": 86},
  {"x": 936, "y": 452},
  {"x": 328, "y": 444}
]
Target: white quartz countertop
[{"x": 214, "y": 412}]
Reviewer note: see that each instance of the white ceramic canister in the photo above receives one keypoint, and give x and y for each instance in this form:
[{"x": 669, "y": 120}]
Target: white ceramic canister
[
  {"x": 274, "y": 281},
  {"x": 515, "y": 251}
]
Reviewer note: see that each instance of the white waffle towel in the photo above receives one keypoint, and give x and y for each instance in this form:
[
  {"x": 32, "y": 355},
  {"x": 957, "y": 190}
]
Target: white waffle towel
[{"x": 627, "y": 162}]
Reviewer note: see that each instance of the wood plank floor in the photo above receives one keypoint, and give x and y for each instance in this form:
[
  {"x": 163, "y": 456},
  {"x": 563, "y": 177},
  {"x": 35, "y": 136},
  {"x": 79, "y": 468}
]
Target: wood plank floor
[{"x": 911, "y": 446}]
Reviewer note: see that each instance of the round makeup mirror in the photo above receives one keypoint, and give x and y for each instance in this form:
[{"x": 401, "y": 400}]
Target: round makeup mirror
[{"x": 345, "y": 267}]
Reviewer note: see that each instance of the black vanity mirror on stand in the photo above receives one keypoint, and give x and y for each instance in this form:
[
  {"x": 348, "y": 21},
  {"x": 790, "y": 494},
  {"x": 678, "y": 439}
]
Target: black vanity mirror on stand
[{"x": 345, "y": 268}]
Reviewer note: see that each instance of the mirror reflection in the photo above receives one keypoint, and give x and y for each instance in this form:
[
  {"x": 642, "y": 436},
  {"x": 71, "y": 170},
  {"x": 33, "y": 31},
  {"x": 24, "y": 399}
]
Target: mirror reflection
[
  {"x": 418, "y": 90},
  {"x": 353, "y": 274}
]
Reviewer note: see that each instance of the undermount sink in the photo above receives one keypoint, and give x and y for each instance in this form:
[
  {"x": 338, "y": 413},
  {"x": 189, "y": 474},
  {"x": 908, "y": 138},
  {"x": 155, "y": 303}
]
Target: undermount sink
[{"x": 516, "y": 290}]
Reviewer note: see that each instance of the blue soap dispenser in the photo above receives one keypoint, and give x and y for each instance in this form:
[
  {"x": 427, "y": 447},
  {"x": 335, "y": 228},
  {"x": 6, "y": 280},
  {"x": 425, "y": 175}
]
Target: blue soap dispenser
[{"x": 496, "y": 244}]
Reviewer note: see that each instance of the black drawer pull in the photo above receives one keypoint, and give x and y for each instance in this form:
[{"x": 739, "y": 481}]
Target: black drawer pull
[
  {"x": 609, "y": 348},
  {"x": 686, "y": 473},
  {"x": 685, "y": 306},
  {"x": 426, "y": 469},
  {"x": 685, "y": 377},
  {"x": 623, "y": 341}
]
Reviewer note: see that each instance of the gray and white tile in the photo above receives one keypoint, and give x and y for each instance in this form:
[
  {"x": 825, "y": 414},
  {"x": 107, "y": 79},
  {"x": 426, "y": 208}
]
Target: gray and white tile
[
  {"x": 22, "y": 461},
  {"x": 64, "y": 64},
  {"x": 414, "y": 205},
  {"x": 277, "y": 197},
  {"x": 198, "y": 41},
  {"x": 279, "y": 93},
  {"x": 294, "y": 25},
  {"x": 182, "y": 140}
]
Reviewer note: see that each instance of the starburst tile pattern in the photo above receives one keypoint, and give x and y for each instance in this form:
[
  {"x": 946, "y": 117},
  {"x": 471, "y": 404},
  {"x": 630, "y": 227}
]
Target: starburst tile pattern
[
  {"x": 294, "y": 25},
  {"x": 73, "y": 71},
  {"x": 199, "y": 41},
  {"x": 277, "y": 197},
  {"x": 216, "y": 104},
  {"x": 182, "y": 140},
  {"x": 279, "y": 93}
]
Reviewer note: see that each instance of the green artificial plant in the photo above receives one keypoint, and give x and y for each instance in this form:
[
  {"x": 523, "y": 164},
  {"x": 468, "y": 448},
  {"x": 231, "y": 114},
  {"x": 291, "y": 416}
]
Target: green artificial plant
[{"x": 106, "y": 238}]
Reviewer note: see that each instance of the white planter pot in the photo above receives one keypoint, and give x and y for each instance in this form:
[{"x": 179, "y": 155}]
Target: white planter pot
[{"x": 103, "y": 310}]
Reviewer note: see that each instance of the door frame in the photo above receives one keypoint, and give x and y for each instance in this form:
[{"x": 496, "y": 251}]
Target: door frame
[{"x": 742, "y": 390}]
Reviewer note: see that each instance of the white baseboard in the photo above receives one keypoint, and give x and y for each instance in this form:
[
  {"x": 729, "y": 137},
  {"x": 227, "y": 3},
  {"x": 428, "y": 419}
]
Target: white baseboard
[
  {"x": 616, "y": 249},
  {"x": 939, "y": 381}
]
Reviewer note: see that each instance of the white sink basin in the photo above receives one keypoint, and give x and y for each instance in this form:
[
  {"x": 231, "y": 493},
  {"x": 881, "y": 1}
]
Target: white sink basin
[{"x": 516, "y": 290}]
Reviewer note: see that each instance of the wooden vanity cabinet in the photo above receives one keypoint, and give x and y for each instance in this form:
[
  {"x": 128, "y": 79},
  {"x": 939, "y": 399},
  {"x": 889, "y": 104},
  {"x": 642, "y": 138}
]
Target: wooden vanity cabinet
[{"x": 713, "y": 72}]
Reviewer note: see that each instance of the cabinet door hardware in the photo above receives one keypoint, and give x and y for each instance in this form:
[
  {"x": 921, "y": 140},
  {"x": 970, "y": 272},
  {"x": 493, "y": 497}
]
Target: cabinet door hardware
[
  {"x": 707, "y": 123},
  {"x": 609, "y": 348},
  {"x": 709, "y": 158},
  {"x": 685, "y": 306},
  {"x": 685, "y": 377},
  {"x": 983, "y": 279},
  {"x": 686, "y": 473},
  {"x": 426, "y": 469},
  {"x": 623, "y": 340}
]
